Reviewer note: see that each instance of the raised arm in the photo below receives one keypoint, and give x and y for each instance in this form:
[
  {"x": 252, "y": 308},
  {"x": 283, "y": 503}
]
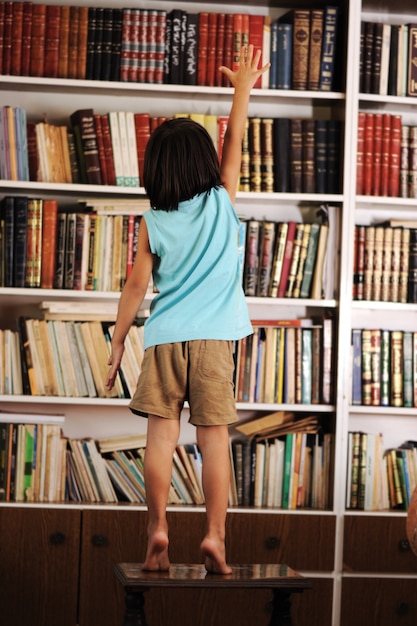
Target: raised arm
[{"x": 243, "y": 79}]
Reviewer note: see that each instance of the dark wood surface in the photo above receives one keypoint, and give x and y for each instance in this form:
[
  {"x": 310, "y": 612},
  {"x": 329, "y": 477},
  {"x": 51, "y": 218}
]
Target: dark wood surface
[{"x": 254, "y": 576}]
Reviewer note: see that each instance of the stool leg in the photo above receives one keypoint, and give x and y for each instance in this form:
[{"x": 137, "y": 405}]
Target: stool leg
[
  {"x": 281, "y": 608},
  {"x": 134, "y": 608}
]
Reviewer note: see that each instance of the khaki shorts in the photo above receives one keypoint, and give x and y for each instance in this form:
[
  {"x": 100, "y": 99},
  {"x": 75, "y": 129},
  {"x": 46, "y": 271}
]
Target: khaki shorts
[{"x": 200, "y": 372}]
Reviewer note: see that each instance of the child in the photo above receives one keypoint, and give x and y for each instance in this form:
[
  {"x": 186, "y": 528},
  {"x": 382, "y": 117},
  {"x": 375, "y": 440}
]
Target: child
[{"x": 188, "y": 240}]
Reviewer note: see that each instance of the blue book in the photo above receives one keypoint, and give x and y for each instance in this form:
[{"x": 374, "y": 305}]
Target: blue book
[
  {"x": 284, "y": 56},
  {"x": 328, "y": 52},
  {"x": 356, "y": 366}
]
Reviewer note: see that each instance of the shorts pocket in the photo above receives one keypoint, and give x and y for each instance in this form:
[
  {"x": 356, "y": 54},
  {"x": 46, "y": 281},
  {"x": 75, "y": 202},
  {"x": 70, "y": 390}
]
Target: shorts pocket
[{"x": 216, "y": 361}]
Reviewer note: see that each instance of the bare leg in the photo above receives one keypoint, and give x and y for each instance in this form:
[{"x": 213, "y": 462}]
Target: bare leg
[
  {"x": 213, "y": 442},
  {"x": 161, "y": 440}
]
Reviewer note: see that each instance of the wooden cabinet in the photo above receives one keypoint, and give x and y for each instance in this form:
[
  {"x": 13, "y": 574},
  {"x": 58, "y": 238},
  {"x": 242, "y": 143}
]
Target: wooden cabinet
[
  {"x": 377, "y": 544},
  {"x": 111, "y": 536},
  {"x": 39, "y": 564},
  {"x": 378, "y": 602}
]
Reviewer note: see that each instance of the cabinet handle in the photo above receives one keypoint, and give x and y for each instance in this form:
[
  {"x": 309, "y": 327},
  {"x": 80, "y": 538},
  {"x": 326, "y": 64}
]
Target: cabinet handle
[
  {"x": 272, "y": 543},
  {"x": 57, "y": 538},
  {"x": 404, "y": 545},
  {"x": 402, "y": 608},
  {"x": 99, "y": 540}
]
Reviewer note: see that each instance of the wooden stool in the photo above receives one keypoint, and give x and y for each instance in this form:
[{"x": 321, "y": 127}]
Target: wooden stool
[{"x": 281, "y": 579}]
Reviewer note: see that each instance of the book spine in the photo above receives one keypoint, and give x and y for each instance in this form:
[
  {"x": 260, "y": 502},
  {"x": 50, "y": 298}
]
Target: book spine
[
  {"x": 73, "y": 41},
  {"x": 17, "y": 35},
  {"x": 301, "y": 44},
  {"x": 397, "y": 373},
  {"x": 395, "y": 156},
  {"x": 64, "y": 27},
  {"x": 328, "y": 53},
  {"x": 285, "y": 56},
  {"x": 52, "y": 30},
  {"x": 19, "y": 239},
  {"x": 314, "y": 54},
  {"x": 34, "y": 239},
  {"x": 296, "y": 155},
  {"x": 49, "y": 240},
  {"x": 411, "y": 62}
]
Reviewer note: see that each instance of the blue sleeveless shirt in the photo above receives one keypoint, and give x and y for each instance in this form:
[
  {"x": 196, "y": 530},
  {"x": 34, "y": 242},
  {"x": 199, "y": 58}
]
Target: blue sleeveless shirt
[{"x": 197, "y": 272}]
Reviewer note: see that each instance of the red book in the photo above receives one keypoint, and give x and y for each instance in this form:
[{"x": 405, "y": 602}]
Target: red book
[
  {"x": 211, "y": 50},
  {"x": 237, "y": 39},
  {"x": 256, "y": 38},
  {"x": 143, "y": 46},
  {"x": 203, "y": 26},
  {"x": 221, "y": 27},
  {"x": 17, "y": 34},
  {"x": 37, "y": 52},
  {"x": 228, "y": 46},
  {"x": 2, "y": 12},
  {"x": 368, "y": 154},
  {"x": 222, "y": 121},
  {"x": 101, "y": 151},
  {"x": 160, "y": 47},
  {"x": 26, "y": 38},
  {"x": 360, "y": 153},
  {"x": 49, "y": 237},
  {"x": 125, "y": 54},
  {"x": 73, "y": 41},
  {"x": 151, "y": 44},
  {"x": 135, "y": 25},
  {"x": 287, "y": 259},
  {"x": 7, "y": 37},
  {"x": 53, "y": 21},
  {"x": 82, "y": 43},
  {"x": 143, "y": 132},
  {"x": 63, "y": 42},
  {"x": 395, "y": 157},
  {"x": 108, "y": 150},
  {"x": 377, "y": 150},
  {"x": 385, "y": 153}
]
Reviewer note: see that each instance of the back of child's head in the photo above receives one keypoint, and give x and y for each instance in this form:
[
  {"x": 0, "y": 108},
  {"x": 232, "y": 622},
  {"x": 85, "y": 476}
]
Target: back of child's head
[{"x": 180, "y": 162}]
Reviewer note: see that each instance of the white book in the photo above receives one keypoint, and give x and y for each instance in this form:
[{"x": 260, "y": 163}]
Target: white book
[
  {"x": 132, "y": 149},
  {"x": 124, "y": 149},
  {"x": 116, "y": 145},
  {"x": 385, "y": 51}
]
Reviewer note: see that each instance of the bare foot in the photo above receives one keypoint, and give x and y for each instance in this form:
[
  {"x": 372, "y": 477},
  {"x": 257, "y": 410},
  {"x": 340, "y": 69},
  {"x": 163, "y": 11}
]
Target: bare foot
[
  {"x": 214, "y": 556},
  {"x": 157, "y": 553}
]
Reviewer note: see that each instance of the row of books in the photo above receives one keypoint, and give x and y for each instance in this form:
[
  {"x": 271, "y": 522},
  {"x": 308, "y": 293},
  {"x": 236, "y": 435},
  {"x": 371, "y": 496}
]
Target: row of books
[
  {"x": 58, "y": 357},
  {"x": 384, "y": 367},
  {"x": 292, "y": 155},
  {"x": 287, "y": 361},
  {"x": 388, "y": 59},
  {"x": 385, "y": 262},
  {"x": 284, "y": 259},
  {"x": 93, "y": 247},
  {"x": 379, "y": 479},
  {"x": 43, "y": 247},
  {"x": 39, "y": 464},
  {"x": 279, "y": 154},
  {"x": 157, "y": 46},
  {"x": 378, "y": 159}
]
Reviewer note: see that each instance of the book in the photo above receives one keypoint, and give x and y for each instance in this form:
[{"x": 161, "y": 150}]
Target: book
[
  {"x": 300, "y": 21},
  {"x": 315, "y": 49},
  {"x": 49, "y": 241},
  {"x": 411, "y": 61},
  {"x": 37, "y": 56},
  {"x": 82, "y": 122},
  {"x": 329, "y": 48}
]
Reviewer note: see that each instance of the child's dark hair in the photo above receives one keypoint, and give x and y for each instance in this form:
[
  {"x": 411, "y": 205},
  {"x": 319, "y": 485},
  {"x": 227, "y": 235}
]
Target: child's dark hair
[{"x": 180, "y": 162}]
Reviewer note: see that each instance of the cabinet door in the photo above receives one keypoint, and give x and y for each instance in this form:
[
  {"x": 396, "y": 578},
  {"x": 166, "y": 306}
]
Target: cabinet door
[
  {"x": 39, "y": 560},
  {"x": 377, "y": 544},
  {"x": 304, "y": 542},
  {"x": 108, "y": 537},
  {"x": 379, "y": 602}
]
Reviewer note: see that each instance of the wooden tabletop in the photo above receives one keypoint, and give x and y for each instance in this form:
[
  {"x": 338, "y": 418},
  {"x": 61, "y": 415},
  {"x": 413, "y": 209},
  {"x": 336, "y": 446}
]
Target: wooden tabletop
[{"x": 262, "y": 576}]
